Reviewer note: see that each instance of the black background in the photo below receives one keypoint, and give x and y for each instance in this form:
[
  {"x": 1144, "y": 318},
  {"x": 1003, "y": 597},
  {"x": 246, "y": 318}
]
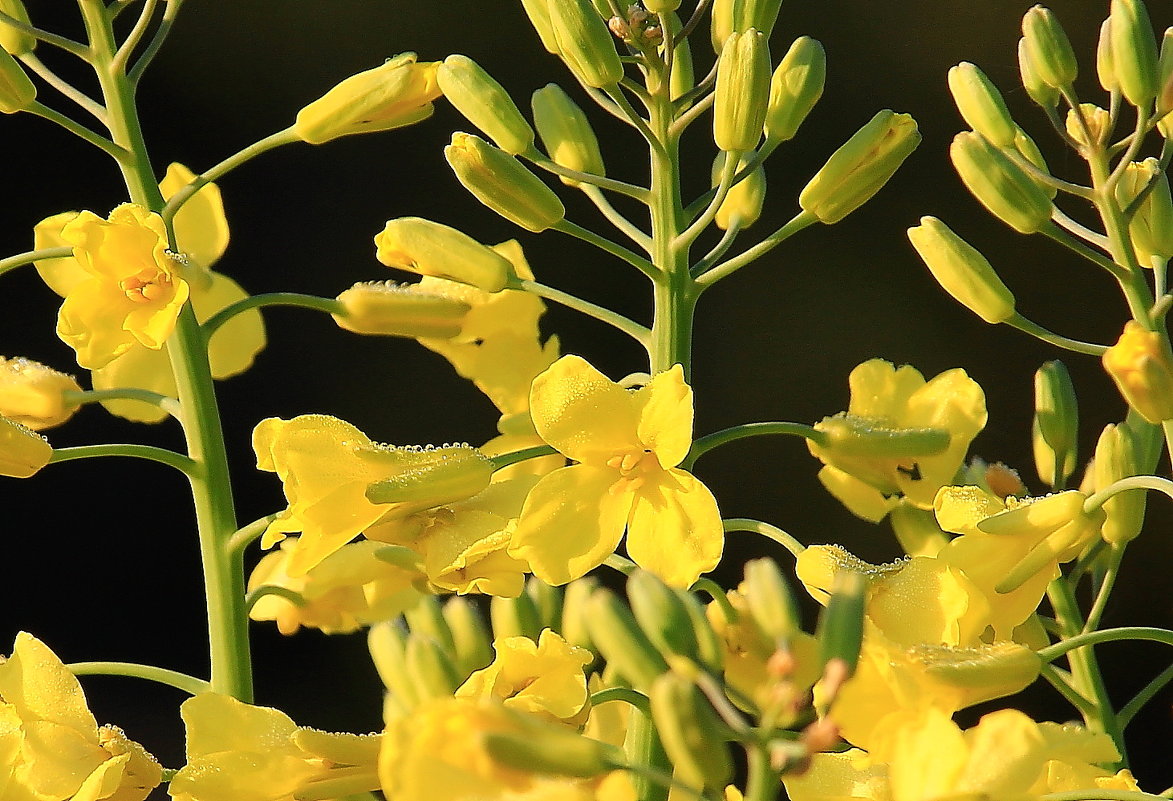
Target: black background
[{"x": 100, "y": 559}]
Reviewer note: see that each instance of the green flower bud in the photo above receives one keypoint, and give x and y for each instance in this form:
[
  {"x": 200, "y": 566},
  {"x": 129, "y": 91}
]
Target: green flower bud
[
  {"x": 861, "y": 167},
  {"x": 388, "y": 646},
  {"x": 851, "y": 435},
  {"x": 574, "y": 628},
  {"x": 1041, "y": 92},
  {"x": 514, "y": 617},
  {"x": 1134, "y": 52},
  {"x": 770, "y": 601},
  {"x": 661, "y": 613},
  {"x": 1151, "y": 228},
  {"x": 17, "y": 92},
  {"x": 981, "y": 104},
  {"x": 553, "y": 750},
  {"x": 723, "y": 22},
  {"x": 999, "y": 184},
  {"x": 661, "y": 6},
  {"x": 744, "y": 200},
  {"x": 426, "y": 617},
  {"x": 1027, "y": 148},
  {"x": 710, "y": 649},
  {"x": 471, "y": 644},
  {"x": 566, "y": 132},
  {"x": 840, "y": 629},
  {"x": 962, "y": 271},
  {"x": 429, "y": 668},
  {"x": 1165, "y": 98},
  {"x": 538, "y": 12},
  {"x": 1056, "y": 424},
  {"x": 1105, "y": 65},
  {"x": 11, "y": 40},
  {"x": 759, "y": 14},
  {"x": 1048, "y": 49},
  {"x": 585, "y": 43},
  {"x": 917, "y": 531},
  {"x": 388, "y": 309},
  {"x": 430, "y": 248},
  {"x": 501, "y": 182},
  {"x": 547, "y": 602},
  {"x": 795, "y": 87},
  {"x": 621, "y": 641},
  {"x": 435, "y": 476},
  {"x": 683, "y": 77},
  {"x": 743, "y": 88},
  {"x": 1116, "y": 458},
  {"x": 484, "y": 103},
  {"x": 690, "y": 733}
]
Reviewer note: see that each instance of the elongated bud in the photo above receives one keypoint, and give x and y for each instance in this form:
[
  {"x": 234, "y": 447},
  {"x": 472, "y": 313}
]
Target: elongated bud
[
  {"x": 1116, "y": 458},
  {"x": 1142, "y": 366},
  {"x": 744, "y": 201},
  {"x": 1134, "y": 52},
  {"x": 723, "y": 22},
  {"x": 1048, "y": 48},
  {"x": 841, "y": 623},
  {"x": 585, "y": 43},
  {"x": 388, "y": 646},
  {"x": 514, "y": 617},
  {"x": 1056, "y": 423},
  {"x": 471, "y": 645},
  {"x": 438, "y": 476},
  {"x": 981, "y": 673},
  {"x": 1027, "y": 148},
  {"x": 427, "y": 618},
  {"x": 484, "y": 103},
  {"x": 771, "y": 604},
  {"x": 683, "y": 77},
  {"x": 1105, "y": 64},
  {"x": 1038, "y": 90},
  {"x": 862, "y": 436},
  {"x": 1000, "y": 184},
  {"x": 861, "y": 167},
  {"x": 538, "y": 12},
  {"x": 575, "y": 628},
  {"x": 1165, "y": 98},
  {"x": 710, "y": 648},
  {"x": 430, "y": 248},
  {"x": 385, "y": 308},
  {"x": 962, "y": 271},
  {"x": 981, "y": 104},
  {"x": 795, "y": 87},
  {"x": 742, "y": 92},
  {"x": 1151, "y": 227},
  {"x": 22, "y": 451},
  {"x": 690, "y": 733},
  {"x": 621, "y": 641},
  {"x": 17, "y": 92},
  {"x": 566, "y": 132},
  {"x": 661, "y": 613},
  {"x": 501, "y": 182},
  {"x": 547, "y": 602},
  {"x": 395, "y": 94},
  {"x": 554, "y": 751},
  {"x": 34, "y": 395},
  {"x": 429, "y": 668},
  {"x": 759, "y": 14},
  {"x": 18, "y": 43}
]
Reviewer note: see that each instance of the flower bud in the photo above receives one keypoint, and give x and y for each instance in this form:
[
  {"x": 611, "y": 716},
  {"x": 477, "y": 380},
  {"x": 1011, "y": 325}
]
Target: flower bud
[
  {"x": 962, "y": 271},
  {"x": 566, "y": 132},
  {"x": 1116, "y": 458},
  {"x": 1027, "y": 148},
  {"x": 1042, "y": 93},
  {"x": 840, "y": 629},
  {"x": 18, "y": 43},
  {"x": 1105, "y": 65},
  {"x": 861, "y": 167},
  {"x": 744, "y": 200},
  {"x": 770, "y": 601},
  {"x": 438, "y": 476},
  {"x": 1151, "y": 227},
  {"x": 742, "y": 92},
  {"x": 22, "y": 451},
  {"x": 851, "y": 435},
  {"x": 1048, "y": 49},
  {"x": 1141, "y": 364},
  {"x": 499, "y": 181},
  {"x": 981, "y": 104},
  {"x": 710, "y": 648},
  {"x": 795, "y": 87},
  {"x": 661, "y": 6},
  {"x": 999, "y": 184},
  {"x": 982, "y": 673},
  {"x": 17, "y": 92},
  {"x": 514, "y": 617},
  {"x": 555, "y": 751},
  {"x": 472, "y": 647},
  {"x": 547, "y": 602},
  {"x": 585, "y": 43},
  {"x": 723, "y": 22},
  {"x": 1097, "y": 120},
  {"x": 690, "y": 733},
  {"x": 1134, "y": 52},
  {"x": 1056, "y": 423},
  {"x": 385, "y": 308},
  {"x": 430, "y": 248},
  {"x": 575, "y": 629},
  {"x": 34, "y": 395},
  {"x": 683, "y": 77},
  {"x": 621, "y": 641},
  {"x": 1165, "y": 76},
  {"x": 484, "y": 103},
  {"x": 662, "y": 615},
  {"x": 759, "y": 14},
  {"x": 538, "y": 12},
  {"x": 427, "y": 618},
  {"x": 429, "y": 668},
  {"x": 395, "y": 94},
  {"x": 387, "y": 643}
]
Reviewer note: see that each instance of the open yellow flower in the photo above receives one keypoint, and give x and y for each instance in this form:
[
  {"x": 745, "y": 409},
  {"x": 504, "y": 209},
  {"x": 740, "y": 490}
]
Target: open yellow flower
[{"x": 627, "y": 445}]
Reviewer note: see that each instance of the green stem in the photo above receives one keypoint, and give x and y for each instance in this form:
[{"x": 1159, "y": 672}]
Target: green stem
[
  {"x": 172, "y": 678},
  {"x": 1075, "y": 228},
  {"x": 118, "y": 63},
  {"x": 507, "y": 459},
  {"x": 1157, "y": 483},
  {"x": 724, "y": 185},
  {"x": 68, "y": 45},
  {"x": 1038, "y": 332},
  {"x": 621, "y": 223},
  {"x": 624, "y": 694},
  {"x": 718, "y": 438},
  {"x": 1146, "y": 693},
  {"x": 719, "y": 249},
  {"x": 766, "y": 530},
  {"x": 586, "y": 178},
  {"x": 633, "y": 329},
  {"x": 1073, "y": 696},
  {"x": 79, "y": 97},
  {"x": 1096, "y": 613},
  {"x": 328, "y": 305},
  {"x": 164, "y": 402},
  {"x": 21, "y": 259},
  {"x": 144, "y": 61},
  {"x": 762, "y": 782},
  {"x": 247, "y": 535},
  {"x": 800, "y": 221},
  {"x": 717, "y": 593},
  {"x": 1147, "y": 633},
  {"x": 161, "y": 455},
  {"x": 620, "y": 564},
  {"x": 77, "y": 129},
  {"x": 1057, "y": 234},
  {"x": 602, "y": 243},
  {"x": 250, "y": 600}
]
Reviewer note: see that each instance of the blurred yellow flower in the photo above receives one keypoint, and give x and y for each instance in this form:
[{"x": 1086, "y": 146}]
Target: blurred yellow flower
[
  {"x": 22, "y": 451},
  {"x": 34, "y": 395}
]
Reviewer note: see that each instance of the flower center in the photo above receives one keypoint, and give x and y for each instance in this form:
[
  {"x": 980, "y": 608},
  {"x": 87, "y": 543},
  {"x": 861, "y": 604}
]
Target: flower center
[
  {"x": 633, "y": 467},
  {"x": 147, "y": 286}
]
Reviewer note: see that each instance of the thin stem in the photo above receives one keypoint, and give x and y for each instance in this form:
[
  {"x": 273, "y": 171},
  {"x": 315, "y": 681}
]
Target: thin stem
[
  {"x": 1072, "y": 696},
  {"x": 621, "y": 187},
  {"x": 800, "y": 221},
  {"x": 1147, "y": 633},
  {"x": 1037, "y": 331},
  {"x": 635, "y": 260},
  {"x": 726, "y": 435},
  {"x": 621, "y": 223},
  {"x": 720, "y": 249},
  {"x": 63, "y": 86},
  {"x": 728, "y": 170},
  {"x": 149, "y": 452},
  {"x": 633, "y": 329},
  {"x": 68, "y": 45},
  {"x": 1083, "y": 232},
  {"x": 633, "y": 117},
  {"x": 717, "y": 593},
  {"x": 620, "y": 563},
  {"x": 21, "y": 259},
  {"x": 1146, "y": 694},
  {"x": 164, "y": 402},
  {"x": 156, "y": 43},
  {"x": 1134, "y": 146},
  {"x": 748, "y": 165},
  {"x": 627, "y": 696},
  {"x": 762, "y": 782},
  {"x": 77, "y": 129},
  {"x": 512, "y": 458},
  {"x": 698, "y": 14},
  {"x": 328, "y": 305},
  {"x": 1057, "y": 234},
  {"x": 247, "y": 535},
  {"x": 172, "y": 678},
  {"x": 1046, "y": 178},
  {"x": 250, "y": 600},
  {"x": 637, "y": 90},
  {"x": 1109, "y": 580},
  {"x": 766, "y": 530},
  {"x": 121, "y": 58},
  {"x": 687, "y": 118},
  {"x": 1125, "y": 484}
]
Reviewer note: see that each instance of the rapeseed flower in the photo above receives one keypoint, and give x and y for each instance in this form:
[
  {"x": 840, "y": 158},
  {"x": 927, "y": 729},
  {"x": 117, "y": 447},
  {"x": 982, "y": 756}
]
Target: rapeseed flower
[
  {"x": 22, "y": 451},
  {"x": 34, "y": 395}
]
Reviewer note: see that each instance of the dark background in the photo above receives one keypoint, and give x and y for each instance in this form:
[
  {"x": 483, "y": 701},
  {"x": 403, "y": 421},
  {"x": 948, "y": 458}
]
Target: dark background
[{"x": 100, "y": 560}]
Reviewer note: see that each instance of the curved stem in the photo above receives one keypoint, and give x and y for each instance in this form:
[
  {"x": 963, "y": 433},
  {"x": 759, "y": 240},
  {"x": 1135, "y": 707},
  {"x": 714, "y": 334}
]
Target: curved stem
[
  {"x": 687, "y": 118},
  {"x": 620, "y": 187},
  {"x": 800, "y": 221},
  {"x": 68, "y": 45},
  {"x": 633, "y": 329},
  {"x": 136, "y": 34},
  {"x": 507, "y": 459},
  {"x": 164, "y": 402},
  {"x": 1038, "y": 332},
  {"x": 1057, "y": 234},
  {"x": 328, "y": 305},
  {"x": 180, "y": 462},
  {"x": 698, "y": 14},
  {"x": 728, "y": 170},
  {"x": 250, "y": 600},
  {"x": 171, "y": 678},
  {"x": 633, "y": 117},
  {"x": 1073, "y": 227},
  {"x": 144, "y": 61},
  {"x": 92, "y": 106},
  {"x": 1157, "y": 483},
  {"x": 1072, "y": 696},
  {"x": 717, "y": 593},
  {"x": 706, "y": 443},
  {"x": 1105, "y": 592},
  {"x": 1147, "y": 633},
  {"x": 1030, "y": 169},
  {"x": 719, "y": 249},
  {"x": 766, "y": 530},
  {"x": 247, "y": 535},
  {"x": 21, "y": 259},
  {"x": 621, "y": 223},
  {"x": 627, "y": 696},
  {"x": 639, "y": 262},
  {"x": 1146, "y": 693},
  {"x": 77, "y": 129}
]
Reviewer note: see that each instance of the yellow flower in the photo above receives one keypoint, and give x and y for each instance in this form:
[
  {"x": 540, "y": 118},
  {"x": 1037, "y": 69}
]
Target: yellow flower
[
  {"x": 350, "y": 588},
  {"x": 898, "y": 401},
  {"x": 1141, "y": 364},
  {"x": 545, "y": 678},
  {"x": 22, "y": 451},
  {"x": 627, "y": 445},
  {"x": 50, "y": 744},
  {"x": 238, "y": 752},
  {"x": 133, "y": 290},
  {"x": 34, "y": 395}
]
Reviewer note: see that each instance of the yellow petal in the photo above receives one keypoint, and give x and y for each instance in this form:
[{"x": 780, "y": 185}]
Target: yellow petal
[
  {"x": 665, "y": 416},
  {"x": 236, "y": 343},
  {"x": 860, "y": 498},
  {"x": 201, "y": 229},
  {"x": 90, "y": 322},
  {"x": 838, "y": 777},
  {"x": 138, "y": 368},
  {"x": 881, "y": 390},
  {"x": 675, "y": 529},
  {"x": 582, "y": 413},
  {"x": 62, "y": 274},
  {"x": 39, "y": 685}
]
